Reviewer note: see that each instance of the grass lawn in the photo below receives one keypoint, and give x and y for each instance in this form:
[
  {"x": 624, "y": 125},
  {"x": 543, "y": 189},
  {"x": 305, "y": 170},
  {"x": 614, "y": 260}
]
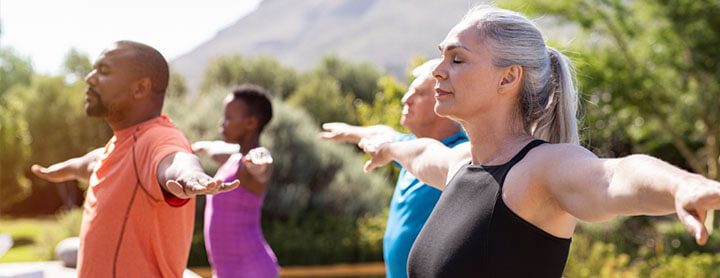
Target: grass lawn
[{"x": 35, "y": 239}]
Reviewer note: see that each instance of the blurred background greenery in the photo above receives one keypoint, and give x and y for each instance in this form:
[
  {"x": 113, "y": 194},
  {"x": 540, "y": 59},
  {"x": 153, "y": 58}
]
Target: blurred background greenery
[{"x": 649, "y": 75}]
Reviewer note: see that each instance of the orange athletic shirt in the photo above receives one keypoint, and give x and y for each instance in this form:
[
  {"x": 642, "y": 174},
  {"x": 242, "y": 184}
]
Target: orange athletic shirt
[{"x": 129, "y": 227}]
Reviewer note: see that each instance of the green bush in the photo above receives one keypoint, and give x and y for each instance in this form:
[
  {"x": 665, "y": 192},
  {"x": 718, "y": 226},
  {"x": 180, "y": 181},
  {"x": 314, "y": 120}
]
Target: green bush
[
  {"x": 229, "y": 71},
  {"x": 641, "y": 247},
  {"x": 322, "y": 238}
]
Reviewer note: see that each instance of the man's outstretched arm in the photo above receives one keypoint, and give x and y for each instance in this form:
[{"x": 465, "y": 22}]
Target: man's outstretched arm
[
  {"x": 78, "y": 168},
  {"x": 180, "y": 173}
]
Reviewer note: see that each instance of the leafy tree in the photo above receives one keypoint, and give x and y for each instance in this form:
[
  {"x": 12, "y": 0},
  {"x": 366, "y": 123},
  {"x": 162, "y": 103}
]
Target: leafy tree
[
  {"x": 235, "y": 70},
  {"x": 176, "y": 86},
  {"x": 312, "y": 175},
  {"x": 651, "y": 68},
  {"x": 56, "y": 128},
  {"x": 320, "y": 95},
  {"x": 358, "y": 80},
  {"x": 386, "y": 109},
  {"x": 14, "y": 151},
  {"x": 76, "y": 65},
  {"x": 14, "y": 70}
]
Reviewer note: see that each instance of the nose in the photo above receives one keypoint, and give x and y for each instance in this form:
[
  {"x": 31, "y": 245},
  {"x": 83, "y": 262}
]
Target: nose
[
  {"x": 406, "y": 98},
  {"x": 439, "y": 71},
  {"x": 90, "y": 78}
]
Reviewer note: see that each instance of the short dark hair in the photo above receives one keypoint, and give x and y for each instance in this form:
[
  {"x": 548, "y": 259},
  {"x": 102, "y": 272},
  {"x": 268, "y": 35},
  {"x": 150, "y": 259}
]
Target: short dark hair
[
  {"x": 151, "y": 63},
  {"x": 257, "y": 100}
]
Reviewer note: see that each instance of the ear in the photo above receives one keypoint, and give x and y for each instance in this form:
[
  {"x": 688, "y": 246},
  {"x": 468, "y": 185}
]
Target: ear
[
  {"x": 253, "y": 123},
  {"x": 511, "y": 79},
  {"x": 143, "y": 88}
]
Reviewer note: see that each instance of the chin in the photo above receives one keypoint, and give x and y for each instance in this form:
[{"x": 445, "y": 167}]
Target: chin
[{"x": 91, "y": 112}]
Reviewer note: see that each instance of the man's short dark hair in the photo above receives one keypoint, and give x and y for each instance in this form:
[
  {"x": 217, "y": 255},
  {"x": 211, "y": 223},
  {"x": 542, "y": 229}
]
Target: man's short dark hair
[
  {"x": 151, "y": 63},
  {"x": 258, "y": 102}
]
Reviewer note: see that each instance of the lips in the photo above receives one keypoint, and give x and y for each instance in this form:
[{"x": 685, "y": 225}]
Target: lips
[
  {"x": 90, "y": 92},
  {"x": 441, "y": 93}
]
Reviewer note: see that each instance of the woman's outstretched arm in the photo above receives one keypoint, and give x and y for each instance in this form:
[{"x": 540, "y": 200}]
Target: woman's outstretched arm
[
  {"x": 427, "y": 159},
  {"x": 594, "y": 189}
]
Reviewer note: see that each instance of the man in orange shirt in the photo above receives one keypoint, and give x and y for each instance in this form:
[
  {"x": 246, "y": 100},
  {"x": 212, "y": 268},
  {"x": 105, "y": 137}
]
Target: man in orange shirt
[{"x": 139, "y": 209}]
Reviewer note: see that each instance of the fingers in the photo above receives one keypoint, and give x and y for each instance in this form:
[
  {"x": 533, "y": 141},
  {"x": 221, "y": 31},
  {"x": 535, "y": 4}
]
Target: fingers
[
  {"x": 326, "y": 135},
  {"x": 258, "y": 156},
  {"x": 55, "y": 173},
  {"x": 225, "y": 187},
  {"x": 693, "y": 221},
  {"x": 369, "y": 166},
  {"x": 199, "y": 147},
  {"x": 176, "y": 189},
  {"x": 338, "y": 132},
  {"x": 187, "y": 189},
  {"x": 38, "y": 170},
  {"x": 334, "y": 125},
  {"x": 371, "y": 145}
]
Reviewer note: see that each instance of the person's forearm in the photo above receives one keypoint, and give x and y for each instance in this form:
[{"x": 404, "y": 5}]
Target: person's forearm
[
  {"x": 380, "y": 131},
  {"x": 85, "y": 164},
  {"x": 645, "y": 185},
  {"x": 425, "y": 158}
]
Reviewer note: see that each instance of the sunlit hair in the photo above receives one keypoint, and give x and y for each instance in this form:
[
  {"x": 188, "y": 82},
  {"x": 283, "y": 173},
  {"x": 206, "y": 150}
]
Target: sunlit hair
[
  {"x": 548, "y": 102},
  {"x": 258, "y": 102},
  {"x": 426, "y": 68}
]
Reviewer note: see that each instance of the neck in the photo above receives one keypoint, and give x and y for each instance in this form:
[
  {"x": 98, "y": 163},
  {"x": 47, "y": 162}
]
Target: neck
[
  {"x": 130, "y": 120},
  {"x": 438, "y": 131},
  {"x": 494, "y": 140},
  {"x": 249, "y": 142}
]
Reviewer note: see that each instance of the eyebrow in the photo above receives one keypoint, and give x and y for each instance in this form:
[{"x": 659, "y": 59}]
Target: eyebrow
[{"x": 452, "y": 47}]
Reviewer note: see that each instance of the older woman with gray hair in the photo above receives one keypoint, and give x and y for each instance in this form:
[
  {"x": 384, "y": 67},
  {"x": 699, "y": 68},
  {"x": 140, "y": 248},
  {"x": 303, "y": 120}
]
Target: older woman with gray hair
[{"x": 512, "y": 200}]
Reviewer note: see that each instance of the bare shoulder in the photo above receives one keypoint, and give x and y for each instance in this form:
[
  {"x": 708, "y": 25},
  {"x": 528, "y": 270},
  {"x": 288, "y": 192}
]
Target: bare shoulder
[
  {"x": 560, "y": 152},
  {"x": 556, "y": 160}
]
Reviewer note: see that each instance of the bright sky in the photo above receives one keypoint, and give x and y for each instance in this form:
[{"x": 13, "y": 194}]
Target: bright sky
[{"x": 45, "y": 30}]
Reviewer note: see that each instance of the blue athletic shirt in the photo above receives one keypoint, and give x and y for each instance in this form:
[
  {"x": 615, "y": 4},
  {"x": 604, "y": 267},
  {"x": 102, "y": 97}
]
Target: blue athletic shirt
[{"x": 411, "y": 204}]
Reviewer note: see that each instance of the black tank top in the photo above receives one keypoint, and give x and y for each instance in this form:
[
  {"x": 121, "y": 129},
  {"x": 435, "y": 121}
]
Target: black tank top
[{"x": 472, "y": 233}]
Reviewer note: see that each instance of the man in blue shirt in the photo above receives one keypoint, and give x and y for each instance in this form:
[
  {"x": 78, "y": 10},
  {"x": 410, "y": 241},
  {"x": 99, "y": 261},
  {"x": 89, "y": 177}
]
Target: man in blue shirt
[{"x": 412, "y": 200}]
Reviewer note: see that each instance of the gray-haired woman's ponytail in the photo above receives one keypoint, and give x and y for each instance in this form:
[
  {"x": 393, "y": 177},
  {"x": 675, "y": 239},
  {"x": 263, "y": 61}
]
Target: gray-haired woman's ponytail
[{"x": 557, "y": 122}]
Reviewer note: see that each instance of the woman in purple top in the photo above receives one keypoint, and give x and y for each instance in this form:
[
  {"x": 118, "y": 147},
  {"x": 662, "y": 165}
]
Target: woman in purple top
[{"x": 233, "y": 237}]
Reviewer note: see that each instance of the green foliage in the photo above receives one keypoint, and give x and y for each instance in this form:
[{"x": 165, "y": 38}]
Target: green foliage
[
  {"x": 322, "y": 238},
  {"x": 49, "y": 126},
  {"x": 176, "y": 86},
  {"x": 230, "y": 71},
  {"x": 50, "y": 106},
  {"x": 321, "y": 96},
  {"x": 14, "y": 152},
  {"x": 310, "y": 174},
  {"x": 357, "y": 80},
  {"x": 77, "y": 65},
  {"x": 639, "y": 247},
  {"x": 35, "y": 239},
  {"x": 14, "y": 70},
  {"x": 386, "y": 109}
]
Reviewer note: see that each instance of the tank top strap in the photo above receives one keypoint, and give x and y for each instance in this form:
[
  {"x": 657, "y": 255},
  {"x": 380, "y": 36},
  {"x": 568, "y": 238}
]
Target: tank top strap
[{"x": 520, "y": 155}]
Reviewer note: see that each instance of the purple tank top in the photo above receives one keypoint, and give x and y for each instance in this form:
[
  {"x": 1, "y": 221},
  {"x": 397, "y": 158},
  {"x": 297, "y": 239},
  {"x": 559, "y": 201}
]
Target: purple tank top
[{"x": 233, "y": 237}]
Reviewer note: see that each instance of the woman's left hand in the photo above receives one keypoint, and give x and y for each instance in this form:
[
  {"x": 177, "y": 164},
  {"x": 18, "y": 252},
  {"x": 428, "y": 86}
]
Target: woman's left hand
[
  {"x": 692, "y": 202},
  {"x": 258, "y": 162}
]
